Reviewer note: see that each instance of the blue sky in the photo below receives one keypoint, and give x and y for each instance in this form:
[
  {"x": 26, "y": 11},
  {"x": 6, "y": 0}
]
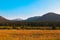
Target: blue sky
[{"x": 12, "y": 9}]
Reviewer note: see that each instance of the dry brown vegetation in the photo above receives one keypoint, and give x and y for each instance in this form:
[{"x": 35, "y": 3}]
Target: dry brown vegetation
[{"x": 29, "y": 34}]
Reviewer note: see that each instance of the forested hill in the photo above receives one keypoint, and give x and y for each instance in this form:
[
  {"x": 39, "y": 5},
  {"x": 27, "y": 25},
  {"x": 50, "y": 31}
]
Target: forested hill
[{"x": 49, "y": 17}]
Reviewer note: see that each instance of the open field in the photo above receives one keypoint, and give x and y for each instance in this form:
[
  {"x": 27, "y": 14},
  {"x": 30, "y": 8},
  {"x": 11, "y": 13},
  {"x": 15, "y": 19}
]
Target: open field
[
  {"x": 29, "y": 34},
  {"x": 30, "y": 27}
]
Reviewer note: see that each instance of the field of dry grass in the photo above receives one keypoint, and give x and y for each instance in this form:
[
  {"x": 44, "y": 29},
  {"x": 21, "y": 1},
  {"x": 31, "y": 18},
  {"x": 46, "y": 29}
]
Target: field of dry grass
[{"x": 29, "y": 34}]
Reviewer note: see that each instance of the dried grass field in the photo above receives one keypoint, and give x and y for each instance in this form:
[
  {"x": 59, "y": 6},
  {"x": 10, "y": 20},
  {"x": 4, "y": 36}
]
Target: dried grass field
[{"x": 29, "y": 34}]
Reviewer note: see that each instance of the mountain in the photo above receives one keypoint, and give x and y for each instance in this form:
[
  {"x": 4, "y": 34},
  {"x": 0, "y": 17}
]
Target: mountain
[
  {"x": 33, "y": 18},
  {"x": 18, "y": 19},
  {"x": 49, "y": 17},
  {"x": 2, "y": 19}
]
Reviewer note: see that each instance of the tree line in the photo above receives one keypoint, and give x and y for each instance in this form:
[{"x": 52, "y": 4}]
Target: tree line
[{"x": 23, "y": 24}]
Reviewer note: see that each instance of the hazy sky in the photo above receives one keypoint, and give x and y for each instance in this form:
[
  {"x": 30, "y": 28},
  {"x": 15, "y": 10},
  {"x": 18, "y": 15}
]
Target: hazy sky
[{"x": 12, "y": 9}]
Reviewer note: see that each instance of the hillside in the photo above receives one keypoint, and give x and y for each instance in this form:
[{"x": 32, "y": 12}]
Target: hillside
[{"x": 49, "y": 17}]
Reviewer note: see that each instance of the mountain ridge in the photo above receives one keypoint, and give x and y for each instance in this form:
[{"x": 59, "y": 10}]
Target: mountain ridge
[{"x": 48, "y": 17}]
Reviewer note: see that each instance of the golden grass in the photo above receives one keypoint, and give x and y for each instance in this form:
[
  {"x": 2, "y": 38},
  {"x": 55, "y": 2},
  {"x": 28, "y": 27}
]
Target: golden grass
[{"x": 29, "y": 34}]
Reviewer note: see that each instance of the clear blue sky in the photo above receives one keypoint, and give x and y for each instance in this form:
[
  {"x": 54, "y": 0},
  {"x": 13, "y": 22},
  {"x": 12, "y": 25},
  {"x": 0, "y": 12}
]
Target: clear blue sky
[{"x": 12, "y": 9}]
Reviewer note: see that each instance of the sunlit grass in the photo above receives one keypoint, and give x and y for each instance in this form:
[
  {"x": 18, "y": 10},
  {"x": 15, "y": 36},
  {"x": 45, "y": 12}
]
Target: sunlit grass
[{"x": 29, "y": 34}]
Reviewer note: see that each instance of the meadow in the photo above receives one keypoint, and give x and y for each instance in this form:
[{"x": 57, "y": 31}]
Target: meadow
[
  {"x": 29, "y": 27},
  {"x": 29, "y": 34}
]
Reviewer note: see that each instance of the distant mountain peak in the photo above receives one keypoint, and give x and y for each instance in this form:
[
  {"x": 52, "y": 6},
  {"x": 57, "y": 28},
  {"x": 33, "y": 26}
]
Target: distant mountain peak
[
  {"x": 48, "y": 17},
  {"x": 2, "y": 18},
  {"x": 50, "y": 14},
  {"x": 18, "y": 19}
]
